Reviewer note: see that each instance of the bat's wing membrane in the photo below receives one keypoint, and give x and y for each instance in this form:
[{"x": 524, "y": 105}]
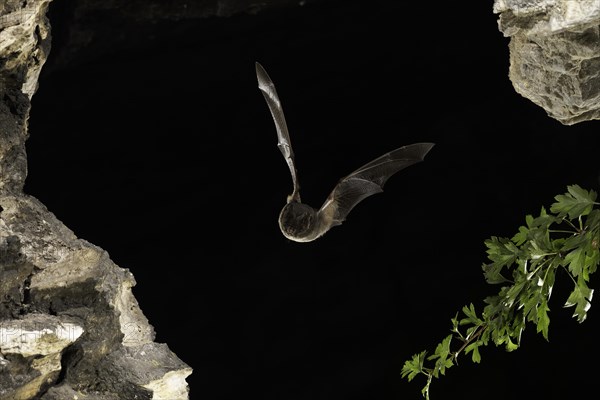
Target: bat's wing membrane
[
  {"x": 369, "y": 179},
  {"x": 267, "y": 87}
]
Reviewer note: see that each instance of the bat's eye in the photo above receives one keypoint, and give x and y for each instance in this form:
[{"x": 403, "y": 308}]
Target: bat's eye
[{"x": 296, "y": 219}]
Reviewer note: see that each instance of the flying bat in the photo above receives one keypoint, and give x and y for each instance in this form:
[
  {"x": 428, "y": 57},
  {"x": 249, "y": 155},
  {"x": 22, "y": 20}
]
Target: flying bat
[{"x": 302, "y": 223}]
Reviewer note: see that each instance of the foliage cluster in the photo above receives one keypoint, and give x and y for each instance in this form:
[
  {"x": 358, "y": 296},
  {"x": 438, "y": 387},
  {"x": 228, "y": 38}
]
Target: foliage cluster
[{"x": 566, "y": 238}]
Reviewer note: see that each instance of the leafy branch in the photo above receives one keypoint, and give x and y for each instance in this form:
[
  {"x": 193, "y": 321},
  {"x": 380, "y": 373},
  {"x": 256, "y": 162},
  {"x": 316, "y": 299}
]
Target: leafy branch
[{"x": 567, "y": 238}]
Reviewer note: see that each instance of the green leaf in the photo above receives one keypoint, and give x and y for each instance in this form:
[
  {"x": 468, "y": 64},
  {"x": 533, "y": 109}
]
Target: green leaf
[
  {"x": 539, "y": 244},
  {"x": 593, "y": 222},
  {"x": 538, "y": 249},
  {"x": 593, "y": 259},
  {"x": 474, "y": 347},
  {"x": 441, "y": 365},
  {"x": 492, "y": 273},
  {"x": 543, "y": 221},
  {"x": 582, "y": 194},
  {"x": 543, "y": 321},
  {"x": 530, "y": 307},
  {"x": 576, "y": 261},
  {"x": 442, "y": 351},
  {"x": 580, "y": 297},
  {"x": 575, "y": 203},
  {"x": 549, "y": 282},
  {"x": 521, "y": 237},
  {"x": 471, "y": 315},
  {"x": 414, "y": 366},
  {"x": 513, "y": 293},
  {"x": 573, "y": 242},
  {"x": 455, "y": 324},
  {"x": 501, "y": 251},
  {"x": 510, "y": 346}
]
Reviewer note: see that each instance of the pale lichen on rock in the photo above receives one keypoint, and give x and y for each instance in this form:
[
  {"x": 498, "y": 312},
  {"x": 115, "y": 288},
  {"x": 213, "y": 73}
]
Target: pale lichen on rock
[
  {"x": 555, "y": 54},
  {"x": 70, "y": 327}
]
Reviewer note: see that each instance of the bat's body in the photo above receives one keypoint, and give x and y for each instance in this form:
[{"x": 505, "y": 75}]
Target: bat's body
[{"x": 301, "y": 222}]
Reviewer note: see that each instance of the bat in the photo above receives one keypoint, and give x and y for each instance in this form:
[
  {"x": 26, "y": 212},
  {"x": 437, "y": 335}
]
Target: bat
[{"x": 302, "y": 223}]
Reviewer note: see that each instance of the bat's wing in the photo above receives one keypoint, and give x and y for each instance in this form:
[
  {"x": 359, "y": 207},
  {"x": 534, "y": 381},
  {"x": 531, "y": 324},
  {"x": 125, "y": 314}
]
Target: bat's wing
[
  {"x": 369, "y": 179},
  {"x": 267, "y": 87}
]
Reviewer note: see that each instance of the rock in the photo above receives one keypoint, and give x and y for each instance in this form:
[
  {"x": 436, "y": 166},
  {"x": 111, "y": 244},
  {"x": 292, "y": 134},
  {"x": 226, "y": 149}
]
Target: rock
[
  {"x": 31, "y": 353},
  {"x": 65, "y": 392},
  {"x": 24, "y": 46},
  {"x": 24, "y": 41},
  {"x": 47, "y": 273},
  {"x": 164, "y": 382},
  {"x": 555, "y": 54},
  {"x": 70, "y": 327},
  {"x": 37, "y": 334}
]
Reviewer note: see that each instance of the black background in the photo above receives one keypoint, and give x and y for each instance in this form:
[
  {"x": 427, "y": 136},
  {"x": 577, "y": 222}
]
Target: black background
[{"x": 164, "y": 154}]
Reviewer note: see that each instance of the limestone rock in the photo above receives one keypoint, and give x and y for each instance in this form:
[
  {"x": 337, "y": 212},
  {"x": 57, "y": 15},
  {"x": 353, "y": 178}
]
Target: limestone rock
[
  {"x": 31, "y": 352},
  {"x": 68, "y": 316},
  {"x": 37, "y": 335},
  {"x": 70, "y": 327},
  {"x": 24, "y": 45},
  {"x": 24, "y": 40},
  {"x": 555, "y": 54}
]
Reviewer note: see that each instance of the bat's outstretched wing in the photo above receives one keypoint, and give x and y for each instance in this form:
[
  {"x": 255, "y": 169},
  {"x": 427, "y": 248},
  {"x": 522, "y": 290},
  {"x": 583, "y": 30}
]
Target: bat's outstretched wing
[
  {"x": 267, "y": 87},
  {"x": 369, "y": 179}
]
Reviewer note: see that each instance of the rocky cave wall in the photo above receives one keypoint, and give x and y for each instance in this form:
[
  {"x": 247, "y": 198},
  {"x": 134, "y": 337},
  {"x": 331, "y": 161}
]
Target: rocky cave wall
[
  {"x": 555, "y": 54},
  {"x": 70, "y": 326}
]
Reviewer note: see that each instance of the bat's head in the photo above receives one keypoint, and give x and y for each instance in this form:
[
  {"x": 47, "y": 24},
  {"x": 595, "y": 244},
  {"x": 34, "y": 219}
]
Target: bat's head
[{"x": 297, "y": 221}]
